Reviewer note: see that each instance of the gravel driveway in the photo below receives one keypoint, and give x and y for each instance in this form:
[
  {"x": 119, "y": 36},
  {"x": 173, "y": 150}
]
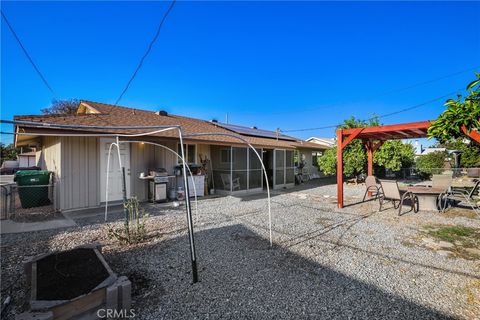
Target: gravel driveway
[{"x": 325, "y": 262}]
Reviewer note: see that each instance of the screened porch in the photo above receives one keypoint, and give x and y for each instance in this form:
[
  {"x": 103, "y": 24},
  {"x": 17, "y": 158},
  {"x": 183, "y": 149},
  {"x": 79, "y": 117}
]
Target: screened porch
[{"x": 238, "y": 170}]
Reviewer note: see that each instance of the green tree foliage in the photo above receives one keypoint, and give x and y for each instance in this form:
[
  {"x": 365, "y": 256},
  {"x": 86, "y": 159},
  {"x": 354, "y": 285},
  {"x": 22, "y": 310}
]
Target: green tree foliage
[
  {"x": 328, "y": 162},
  {"x": 431, "y": 163},
  {"x": 459, "y": 112},
  {"x": 8, "y": 152},
  {"x": 62, "y": 107},
  {"x": 470, "y": 157},
  {"x": 394, "y": 155},
  {"x": 354, "y": 155}
]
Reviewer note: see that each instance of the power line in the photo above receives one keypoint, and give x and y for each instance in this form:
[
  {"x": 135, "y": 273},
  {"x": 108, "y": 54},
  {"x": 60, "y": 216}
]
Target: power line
[
  {"x": 26, "y": 54},
  {"x": 373, "y": 96},
  {"x": 149, "y": 48},
  {"x": 384, "y": 115}
]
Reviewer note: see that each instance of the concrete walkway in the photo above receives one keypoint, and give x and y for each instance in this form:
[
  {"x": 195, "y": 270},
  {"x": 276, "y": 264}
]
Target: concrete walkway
[{"x": 9, "y": 226}]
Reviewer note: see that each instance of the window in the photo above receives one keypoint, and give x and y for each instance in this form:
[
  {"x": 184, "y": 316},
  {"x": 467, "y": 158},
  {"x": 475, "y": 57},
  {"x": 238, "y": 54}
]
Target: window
[
  {"x": 315, "y": 156},
  {"x": 225, "y": 156},
  {"x": 190, "y": 152}
]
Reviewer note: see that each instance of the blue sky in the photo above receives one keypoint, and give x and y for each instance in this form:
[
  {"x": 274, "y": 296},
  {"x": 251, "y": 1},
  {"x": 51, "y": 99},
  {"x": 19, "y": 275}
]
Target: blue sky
[{"x": 270, "y": 64}]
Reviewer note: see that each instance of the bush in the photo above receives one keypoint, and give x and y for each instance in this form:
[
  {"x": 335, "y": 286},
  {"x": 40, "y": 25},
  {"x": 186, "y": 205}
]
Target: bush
[{"x": 431, "y": 163}]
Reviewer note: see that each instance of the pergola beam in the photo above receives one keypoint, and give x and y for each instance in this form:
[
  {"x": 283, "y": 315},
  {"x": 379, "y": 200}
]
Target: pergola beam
[{"x": 473, "y": 134}]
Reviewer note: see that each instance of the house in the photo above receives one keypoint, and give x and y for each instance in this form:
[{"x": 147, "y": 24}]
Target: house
[
  {"x": 326, "y": 142},
  {"x": 27, "y": 159},
  {"x": 79, "y": 163}
]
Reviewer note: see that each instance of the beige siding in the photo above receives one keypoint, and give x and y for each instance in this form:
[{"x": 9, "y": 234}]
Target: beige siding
[
  {"x": 145, "y": 157},
  {"x": 80, "y": 177},
  {"x": 49, "y": 158}
]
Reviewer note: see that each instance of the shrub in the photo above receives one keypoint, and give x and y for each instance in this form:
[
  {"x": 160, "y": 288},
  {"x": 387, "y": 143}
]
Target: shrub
[{"x": 431, "y": 163}]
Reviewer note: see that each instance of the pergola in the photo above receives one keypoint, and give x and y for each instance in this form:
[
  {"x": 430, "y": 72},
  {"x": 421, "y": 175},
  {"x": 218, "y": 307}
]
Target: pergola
[{"x": 373, "y": 137}]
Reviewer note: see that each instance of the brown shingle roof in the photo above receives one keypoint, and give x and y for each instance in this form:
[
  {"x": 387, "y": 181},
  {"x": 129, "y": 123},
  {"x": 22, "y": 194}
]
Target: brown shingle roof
[{"x": 110, "y": 115}]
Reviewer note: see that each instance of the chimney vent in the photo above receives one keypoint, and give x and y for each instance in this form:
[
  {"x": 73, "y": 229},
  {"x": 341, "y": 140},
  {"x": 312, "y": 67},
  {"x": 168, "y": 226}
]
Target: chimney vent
[
  {"x": 162, "y": 113},
  {"x": 214, "y": 120},
  {"x": 254, "y": 127}
]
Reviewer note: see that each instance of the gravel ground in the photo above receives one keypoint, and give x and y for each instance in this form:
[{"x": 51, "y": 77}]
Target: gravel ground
[{"x": 325, "y": 262}]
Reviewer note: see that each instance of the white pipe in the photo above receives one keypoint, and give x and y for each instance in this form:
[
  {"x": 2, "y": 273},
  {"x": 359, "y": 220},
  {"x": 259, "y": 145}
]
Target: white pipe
[
  {"x": 261, "y": 162},
  {"x": 180, "y": 157},
  {"x": 106, "y": 184}
]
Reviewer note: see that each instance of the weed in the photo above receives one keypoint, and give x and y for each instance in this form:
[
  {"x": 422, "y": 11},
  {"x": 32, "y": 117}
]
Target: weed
[{"x": 133, "y": 230}]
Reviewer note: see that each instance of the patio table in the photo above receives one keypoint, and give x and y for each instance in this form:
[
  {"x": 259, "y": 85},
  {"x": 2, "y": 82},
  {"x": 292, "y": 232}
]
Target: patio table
[{"x": 427, "y": 197}]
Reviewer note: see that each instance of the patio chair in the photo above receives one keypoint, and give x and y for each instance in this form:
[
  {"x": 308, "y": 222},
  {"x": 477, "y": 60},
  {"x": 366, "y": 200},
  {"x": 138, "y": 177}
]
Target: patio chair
[
  {"x": 442, "y": 181},
  {"x": 453, "y": 197},
  {"x": 373, "y": 187},
  {"x": 391, "y": 192},
  {"x": 226, "y": 182}
]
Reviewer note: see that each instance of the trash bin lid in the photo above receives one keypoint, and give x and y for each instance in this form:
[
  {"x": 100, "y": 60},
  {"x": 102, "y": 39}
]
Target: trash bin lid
[
  {"x": 23, "y": 173},
  {"x": 26, "y": 173}
]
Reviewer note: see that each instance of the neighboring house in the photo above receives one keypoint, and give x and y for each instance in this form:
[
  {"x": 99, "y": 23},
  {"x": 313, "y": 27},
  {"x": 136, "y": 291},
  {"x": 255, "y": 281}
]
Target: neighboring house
[
  {"x": 325, "y": 142},
  {"x": 27, "y": 159},
  {"x": 432, "y": 150},
  {"x": 79, "y": 162}
]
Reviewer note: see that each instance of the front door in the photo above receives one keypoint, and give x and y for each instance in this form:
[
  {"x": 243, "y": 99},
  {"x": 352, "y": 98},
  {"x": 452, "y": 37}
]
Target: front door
[{"x": 115, "y": 173}]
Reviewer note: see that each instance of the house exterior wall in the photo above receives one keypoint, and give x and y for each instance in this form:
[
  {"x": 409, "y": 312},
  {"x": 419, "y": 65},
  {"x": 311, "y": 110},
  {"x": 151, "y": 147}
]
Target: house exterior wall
[
  {"x": 80, "y": 173},
  {"x": 75, "y": 164},
  {"x": 146, "y": 157},
  {"x": 49, "y": 158},
  {"x": 26, "y": 161}
]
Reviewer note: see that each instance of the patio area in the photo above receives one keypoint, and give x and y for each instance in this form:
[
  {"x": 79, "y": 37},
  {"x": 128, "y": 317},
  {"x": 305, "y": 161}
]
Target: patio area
[{"x": 327, "y": 262}]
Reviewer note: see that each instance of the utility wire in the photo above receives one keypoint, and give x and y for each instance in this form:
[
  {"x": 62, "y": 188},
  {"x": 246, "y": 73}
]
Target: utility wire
[
  {"x": 26, "y": 54},
  {"x": 149, "y": 48},
  {"x": 383, "y": 115},
  {"x": 373, "y": 96}
]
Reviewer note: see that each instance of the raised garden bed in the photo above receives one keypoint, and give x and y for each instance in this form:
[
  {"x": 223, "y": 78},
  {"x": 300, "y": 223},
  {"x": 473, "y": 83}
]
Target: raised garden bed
[{"x": 74, "y": 284}]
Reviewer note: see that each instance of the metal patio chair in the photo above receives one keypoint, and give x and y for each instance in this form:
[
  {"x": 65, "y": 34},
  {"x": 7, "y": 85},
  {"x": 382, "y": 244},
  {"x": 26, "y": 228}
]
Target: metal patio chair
[
  {"x": 391, "y": 192},
  {"x": 442, "y": 181},
  {"x": 373, "y": 187},
  {"x": 453, "y": 197},
  {"x": 226, "y": 182}
]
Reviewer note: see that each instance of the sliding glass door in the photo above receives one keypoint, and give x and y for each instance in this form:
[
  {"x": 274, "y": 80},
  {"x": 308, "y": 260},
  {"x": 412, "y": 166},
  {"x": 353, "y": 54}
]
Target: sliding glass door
[{"x": 284, "y": 169}]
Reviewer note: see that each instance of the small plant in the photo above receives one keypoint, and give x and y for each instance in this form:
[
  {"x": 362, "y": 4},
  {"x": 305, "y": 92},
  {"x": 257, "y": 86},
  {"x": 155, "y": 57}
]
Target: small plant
[{"x": 133, "y": 229}]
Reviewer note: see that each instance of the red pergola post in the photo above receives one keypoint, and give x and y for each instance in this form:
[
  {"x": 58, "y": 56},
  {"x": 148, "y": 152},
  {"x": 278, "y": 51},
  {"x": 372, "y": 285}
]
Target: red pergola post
[
  {"x": 341, "y": 144},
  {"x": 340, "y": 168},
  {"x": 370, "y": 158}
]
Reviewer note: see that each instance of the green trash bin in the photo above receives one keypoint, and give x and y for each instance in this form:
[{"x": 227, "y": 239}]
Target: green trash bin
[{"x": 30, "y": 195}]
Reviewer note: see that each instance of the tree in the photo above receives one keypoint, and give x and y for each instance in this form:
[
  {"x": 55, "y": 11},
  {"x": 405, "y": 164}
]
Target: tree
[
  {"x": 431, "y": 163},
  {"x": 394, "y": 155},
  {"x": 8, "y": 152},
  {"x": 470, "y": 157},
  {"x": 62, "y": 107},
  {"x": 354, "y": 154},
  {"x": 460, "y": 112}
]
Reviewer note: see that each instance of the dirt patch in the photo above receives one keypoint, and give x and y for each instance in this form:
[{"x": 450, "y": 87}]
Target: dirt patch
[
  {"x": 69, "y": 274},
  {"x": 460, "y": 212},
  {"x": 39, "y": 215}
]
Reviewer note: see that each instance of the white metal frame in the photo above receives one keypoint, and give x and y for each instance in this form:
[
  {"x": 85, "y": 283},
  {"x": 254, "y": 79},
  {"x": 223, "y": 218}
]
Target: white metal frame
[{"x": 285, "y": 184}]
